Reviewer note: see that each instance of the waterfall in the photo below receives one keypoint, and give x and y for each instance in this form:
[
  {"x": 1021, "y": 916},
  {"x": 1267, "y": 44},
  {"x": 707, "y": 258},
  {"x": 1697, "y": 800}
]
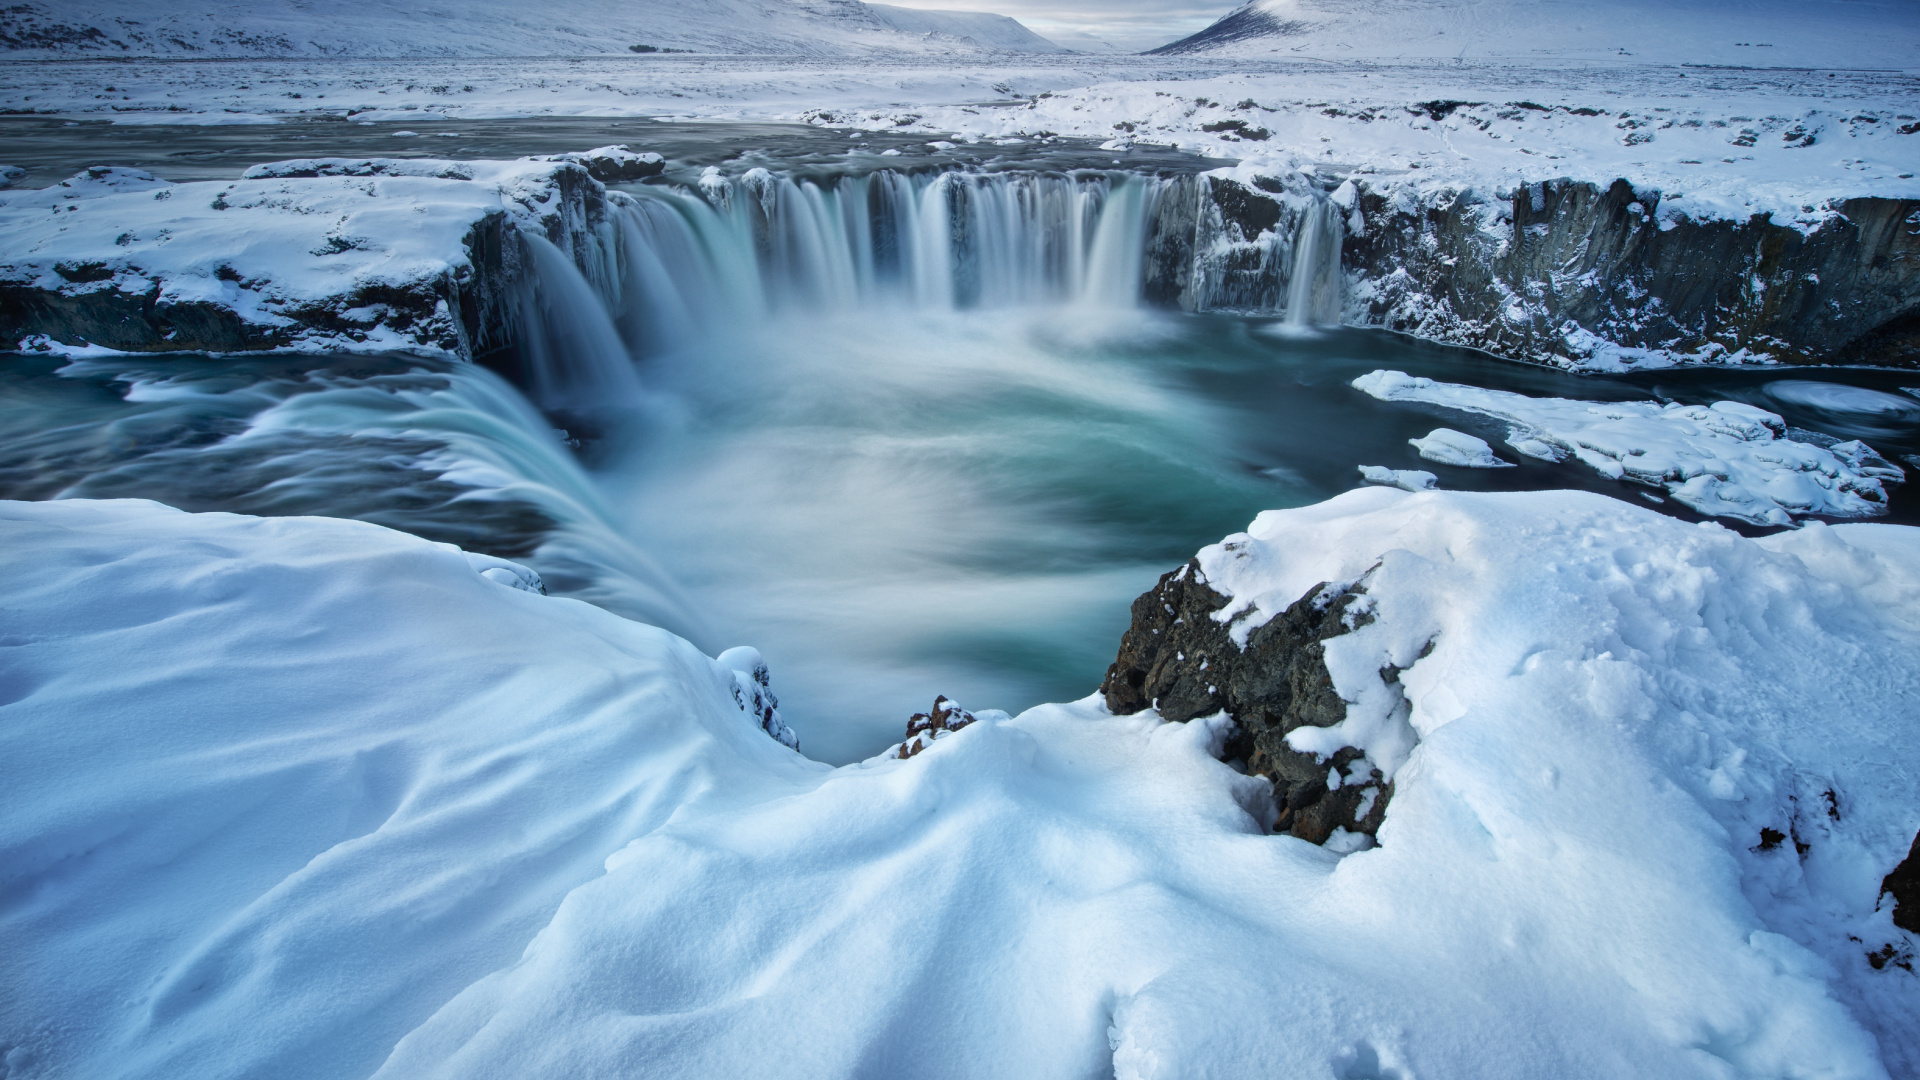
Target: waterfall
[
  {"x": 1113, "y": 273},
  {"x": 1313, "y": 287},
  {"x": 576, "y": 359},
  {"x": 686, "y": 262},
  {"x": 671, "y": 265}
]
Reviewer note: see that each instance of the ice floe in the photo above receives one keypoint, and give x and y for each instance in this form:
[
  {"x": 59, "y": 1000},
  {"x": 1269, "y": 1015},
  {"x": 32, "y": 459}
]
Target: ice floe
[{"x": 1726, "y": 460}]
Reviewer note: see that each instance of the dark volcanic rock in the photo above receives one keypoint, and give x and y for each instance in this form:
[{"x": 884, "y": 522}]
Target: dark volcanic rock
[
  {"x": 1560, "y": 269},
  {"x": 1177, "y": 657},
  {"x": 1904, "y": 884},
  {"x": 1515, "y": 277},
  {"x": 924, "y": 728}
]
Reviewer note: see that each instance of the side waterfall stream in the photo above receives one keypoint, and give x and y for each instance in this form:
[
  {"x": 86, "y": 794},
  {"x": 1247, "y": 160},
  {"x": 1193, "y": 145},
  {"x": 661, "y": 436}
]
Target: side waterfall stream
[{"x": 907, "y": 434}]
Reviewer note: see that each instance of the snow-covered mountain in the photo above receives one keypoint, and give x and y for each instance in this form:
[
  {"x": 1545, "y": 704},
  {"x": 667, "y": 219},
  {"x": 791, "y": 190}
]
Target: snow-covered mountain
[
  {"x": 1748, "y": 33},
  {"x": 419, "y": 28}
]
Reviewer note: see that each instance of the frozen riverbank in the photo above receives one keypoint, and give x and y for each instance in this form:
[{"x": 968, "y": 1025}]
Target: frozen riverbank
[{"x": 551, "y": 838}]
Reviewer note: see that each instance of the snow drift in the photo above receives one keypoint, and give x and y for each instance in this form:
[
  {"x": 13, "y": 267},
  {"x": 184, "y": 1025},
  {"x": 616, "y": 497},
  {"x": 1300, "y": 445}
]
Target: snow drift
[{"x": 304, "y": 797}]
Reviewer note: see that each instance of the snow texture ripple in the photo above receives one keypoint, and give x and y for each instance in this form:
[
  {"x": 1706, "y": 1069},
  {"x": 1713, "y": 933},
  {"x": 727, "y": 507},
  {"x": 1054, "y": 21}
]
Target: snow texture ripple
[{"x": 310, "y": 798}]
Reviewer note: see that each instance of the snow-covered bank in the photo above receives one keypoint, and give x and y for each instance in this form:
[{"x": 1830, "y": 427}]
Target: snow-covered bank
[
  {"x": 301, "y": 797},
  {"x": 358, "y": 254}
]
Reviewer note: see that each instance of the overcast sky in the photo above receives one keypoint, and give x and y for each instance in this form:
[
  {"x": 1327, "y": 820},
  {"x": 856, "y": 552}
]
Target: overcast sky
[{"x": 1132, "y": 24}]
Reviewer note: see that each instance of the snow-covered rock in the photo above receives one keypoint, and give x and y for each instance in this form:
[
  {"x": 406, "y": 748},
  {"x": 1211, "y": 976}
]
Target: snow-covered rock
[
  {"x": 1177, "y": 658},
  {"x": 1577, "y": 275},
  {"x": 309, "y": 798},
  {"x": 1450, "y": 447},
  {"x": 317, "y": 253},
  {"x": 1404, "y": 479},
  {"x": 1726, "y": 460},
  {"x": 616, "y": 164}
]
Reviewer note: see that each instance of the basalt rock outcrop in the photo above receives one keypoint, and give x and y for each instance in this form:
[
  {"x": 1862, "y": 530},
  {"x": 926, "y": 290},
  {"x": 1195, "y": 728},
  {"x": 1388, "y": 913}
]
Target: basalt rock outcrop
[
  {"x": 1178, "y": 658},
  {"x": 1565, "y": 268},
  {"x": 1562, "y": 272}
]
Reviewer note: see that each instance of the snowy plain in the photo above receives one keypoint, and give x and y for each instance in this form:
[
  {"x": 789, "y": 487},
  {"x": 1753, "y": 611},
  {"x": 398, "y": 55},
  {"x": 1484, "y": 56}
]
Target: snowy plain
[{"x": 201, "y": 30}]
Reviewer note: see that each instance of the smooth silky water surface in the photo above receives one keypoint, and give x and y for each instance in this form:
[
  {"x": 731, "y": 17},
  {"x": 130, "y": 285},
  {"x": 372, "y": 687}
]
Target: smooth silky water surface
[{"x": 890, "y": 505}]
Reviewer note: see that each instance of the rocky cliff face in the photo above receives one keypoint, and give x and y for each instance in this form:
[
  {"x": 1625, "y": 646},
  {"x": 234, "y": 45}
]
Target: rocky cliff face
[
  {"x": 1177, "y": 658},
  {"x": 1562, "y": 272}
]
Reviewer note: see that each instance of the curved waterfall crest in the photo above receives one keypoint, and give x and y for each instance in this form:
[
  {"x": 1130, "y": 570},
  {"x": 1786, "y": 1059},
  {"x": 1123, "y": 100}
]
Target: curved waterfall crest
[{"x": 669, "y": 262}]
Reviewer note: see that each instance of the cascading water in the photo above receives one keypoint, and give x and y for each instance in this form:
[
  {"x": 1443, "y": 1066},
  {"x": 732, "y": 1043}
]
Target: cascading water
[
  {"x": 744, "y": 248},
  {"x": 576, "y": 357},
  {"x": 1313, "y": 287}
]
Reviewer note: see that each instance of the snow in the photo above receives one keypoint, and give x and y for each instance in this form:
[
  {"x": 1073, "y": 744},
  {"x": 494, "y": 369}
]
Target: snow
[
  {"x": 1726, "y": 460},
  {"x": 287, "y": 236},
  {"x": 327, "y": 775},
  {"x": 1450, "y": 447},
  {"x": 303, "y": 797},
  {"x": 200, "y": 29},
  {"x": 1405, "y": 479},
  {"x": 1702, "y": 33},
  {"x": 1713, "y": 141}
]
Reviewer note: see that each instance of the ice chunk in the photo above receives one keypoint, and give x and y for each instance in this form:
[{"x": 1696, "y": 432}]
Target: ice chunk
[
  {"x": 1406, "y": 479},
  {"x": 1450, "y": 447},
  {"x": 1728, "y": 459}
]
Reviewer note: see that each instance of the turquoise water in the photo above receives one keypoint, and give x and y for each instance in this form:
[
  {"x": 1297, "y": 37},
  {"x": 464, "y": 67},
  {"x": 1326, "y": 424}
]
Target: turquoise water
[{"x": 889, "y": 507}]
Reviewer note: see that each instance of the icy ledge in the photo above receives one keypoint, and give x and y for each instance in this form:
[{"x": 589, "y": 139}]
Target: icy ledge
[
  {"x": 333, "y": 253},
  {"x": 309, "y": 798},
  {"x": 1724, "y": 460}
]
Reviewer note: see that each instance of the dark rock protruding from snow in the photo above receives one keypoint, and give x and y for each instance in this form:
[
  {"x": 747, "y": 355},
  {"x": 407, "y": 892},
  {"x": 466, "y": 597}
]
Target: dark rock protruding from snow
[
  {"x": 924, "y": 728},
  {"x": 1560, "y": 272},
  {"x": 1177, "y": 657},
  {"x": 1904, "y": 885}
]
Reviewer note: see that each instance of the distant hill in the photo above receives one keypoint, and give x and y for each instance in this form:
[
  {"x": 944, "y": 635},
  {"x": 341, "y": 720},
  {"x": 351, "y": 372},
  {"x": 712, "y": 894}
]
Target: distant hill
[
  {"x": 419, "y": 28},
  {"x": 1743, "y": 33}
]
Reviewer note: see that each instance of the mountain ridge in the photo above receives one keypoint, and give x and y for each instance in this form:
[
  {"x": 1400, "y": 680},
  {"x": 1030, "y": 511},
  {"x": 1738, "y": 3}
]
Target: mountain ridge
[
  {"x": 1842, "y": 34},
  {"x": 377, "y": 29}
]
